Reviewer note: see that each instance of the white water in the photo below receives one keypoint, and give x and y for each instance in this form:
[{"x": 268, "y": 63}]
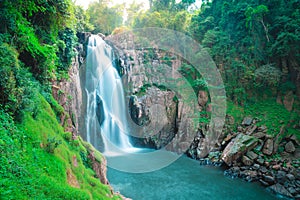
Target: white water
[{"x": 103, "y": 83}]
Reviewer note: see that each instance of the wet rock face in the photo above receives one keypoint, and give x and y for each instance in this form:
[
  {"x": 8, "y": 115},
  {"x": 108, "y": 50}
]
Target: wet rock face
[
  {"x": 69, "y": 94},
  {"x": 149, "y": 78},
  {"x": 138, "y": 112},
  {"x": 155, "y": 112},
  {"x": 99, "y": 110}
]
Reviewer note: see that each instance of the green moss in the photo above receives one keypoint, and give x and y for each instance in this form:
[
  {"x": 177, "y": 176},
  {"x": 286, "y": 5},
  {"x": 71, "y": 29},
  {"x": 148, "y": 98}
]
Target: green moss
[
  {"x": 237, "y": 112},
  {"x": 268, "y": 113},
  {"x": 273, "y": 115}
]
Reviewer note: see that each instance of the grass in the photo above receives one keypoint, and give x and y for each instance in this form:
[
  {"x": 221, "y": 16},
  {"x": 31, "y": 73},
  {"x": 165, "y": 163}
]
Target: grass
[
  {"x": 29, "y": 171},
  {"x": 268, "y": 113}
]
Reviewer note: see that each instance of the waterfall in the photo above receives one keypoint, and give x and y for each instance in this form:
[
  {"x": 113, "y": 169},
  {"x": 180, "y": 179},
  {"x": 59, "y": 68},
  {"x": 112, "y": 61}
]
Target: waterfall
[{"x": 105, "y": 99}]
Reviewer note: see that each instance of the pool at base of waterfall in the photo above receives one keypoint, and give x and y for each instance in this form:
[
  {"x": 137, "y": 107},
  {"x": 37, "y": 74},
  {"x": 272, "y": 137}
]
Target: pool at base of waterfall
[{"x": 185, "y": 179}]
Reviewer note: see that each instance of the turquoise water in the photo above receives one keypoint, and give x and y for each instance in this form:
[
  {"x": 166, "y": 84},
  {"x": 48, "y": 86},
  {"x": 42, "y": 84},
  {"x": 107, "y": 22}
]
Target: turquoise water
[{"x": 185, "y": 179}]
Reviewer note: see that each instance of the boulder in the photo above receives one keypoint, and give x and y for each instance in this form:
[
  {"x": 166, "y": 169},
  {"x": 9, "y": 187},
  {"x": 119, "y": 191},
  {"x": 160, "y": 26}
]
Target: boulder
[
  {"x": 247, "y": 161},
  {"x": 289, "y": 147},
  {"x": 269, "y": 179},
  {"x": 295, "y": 139},
  {"x": 247, "y": 121},
  {"x": 276, "y": 167},
  {"x": 291, "y": 177},
  {"x": 251, "y": 155},
  {"x": 292, "y": 190},
  {"x": 237, "y": 147},
  {"x": 249, "y": 175},
  {"x": 280, "y": 189},
  {"x": 260, "y": 161},
  {"x": 268, "y": 147},
  {"x": 263, "y": 169},
  {"x": 262, "y": 128},
  {"x": 264, "y": 183},
  {"x": 256, "y": 166},
  {"x": 251, "y": 130},
  {"x": 281, "y": 177},
  {"x": 259, "y": 135}
]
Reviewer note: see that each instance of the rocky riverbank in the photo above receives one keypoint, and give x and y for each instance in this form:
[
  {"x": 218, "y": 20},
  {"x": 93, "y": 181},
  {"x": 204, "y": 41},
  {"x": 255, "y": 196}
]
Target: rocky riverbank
[{"x": 253, "y": 155}]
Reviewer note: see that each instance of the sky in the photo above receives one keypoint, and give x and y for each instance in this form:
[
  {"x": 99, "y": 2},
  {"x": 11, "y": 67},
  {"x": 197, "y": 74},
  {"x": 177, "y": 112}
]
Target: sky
[{"x": 85, "y": 3}]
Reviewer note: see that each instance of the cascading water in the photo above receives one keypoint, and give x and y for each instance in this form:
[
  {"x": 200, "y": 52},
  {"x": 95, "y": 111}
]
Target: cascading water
[
  {"x": 105, "y": 99},
  {"x": 106, "y": 115}
]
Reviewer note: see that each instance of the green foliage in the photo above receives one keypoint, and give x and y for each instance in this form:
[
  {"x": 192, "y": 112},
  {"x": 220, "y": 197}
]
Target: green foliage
[
  {"x": 52, "y": 144},
  {"x": 66, "y": 45},
  {"x": 31, "y": 169},
  {"x": 163, "y": 19},
  {"x": 17, "y": 86},
  {"x": 10, "y": 94},
  {"x": 267, "y": 76},
  {"x": 83, "y": 20},
  {"x": 244, "y": 38},
  {"x": 142, "y": 90},
  {"x": 32, "y": 27},
  {"x": 268, "y": 114},
  {"x": 104, "y": 18},
  {"x": 36, "y": 43}
]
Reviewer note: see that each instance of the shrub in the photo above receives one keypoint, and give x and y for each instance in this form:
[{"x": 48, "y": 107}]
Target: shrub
[{"x": 52, "y": 144}]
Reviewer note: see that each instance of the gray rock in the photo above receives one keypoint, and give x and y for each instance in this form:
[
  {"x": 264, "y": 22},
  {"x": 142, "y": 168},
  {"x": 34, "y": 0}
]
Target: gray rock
[
  {"x": 292, "y": 190},
  {"x": 264, "y": 183},
  {"x": 260, "y": 161},
  {"x": 276, "y": 167},
  {"x": 247, "y": 161},
  {"x": 268, "y": 147},
  {"x": 295, "y": 139},
  {"x": 237, "y": 147},
  {"x": 259, "y": 135},
  {"x": 247, "y": 121},
  {"x": 256, "y": 166},
  {"x": 262, "y": 128},
  {"x": 281, "y": 176},
  {"x": 291, "y": 177},
  {"x": 251, "y": 130},
  {"x": 289, "y": 147},
  {"x": 269, "y": 179},
  {"x": 249, "y": 175},
  {"x": 100, "y": 110},
  {"x": 279, "y": 189},
  {"x": 252, "y": 155}
]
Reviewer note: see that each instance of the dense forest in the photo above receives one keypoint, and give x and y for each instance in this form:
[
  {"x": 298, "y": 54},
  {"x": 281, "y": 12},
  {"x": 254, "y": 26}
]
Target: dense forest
[{"x": 255, "y": 45}]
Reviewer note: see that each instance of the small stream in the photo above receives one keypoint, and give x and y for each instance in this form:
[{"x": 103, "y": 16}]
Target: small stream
[{"x": 185, "y": 179}]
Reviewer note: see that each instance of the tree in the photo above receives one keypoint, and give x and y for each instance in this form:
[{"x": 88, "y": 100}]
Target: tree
[
  {"x": 104, "y": 18},
  {"x": 257, "y": 14}
]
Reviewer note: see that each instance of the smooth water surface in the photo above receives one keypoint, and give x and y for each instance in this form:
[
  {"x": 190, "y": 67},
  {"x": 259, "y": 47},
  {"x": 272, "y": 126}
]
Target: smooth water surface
[{"x": 185, "y": 179}]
